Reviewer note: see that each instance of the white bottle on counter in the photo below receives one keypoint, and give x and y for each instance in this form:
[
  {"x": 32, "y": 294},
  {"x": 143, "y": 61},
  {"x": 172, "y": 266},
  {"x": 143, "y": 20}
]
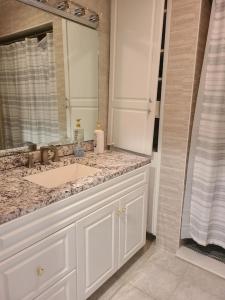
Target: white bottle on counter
[{"x": 98, "y": 140}]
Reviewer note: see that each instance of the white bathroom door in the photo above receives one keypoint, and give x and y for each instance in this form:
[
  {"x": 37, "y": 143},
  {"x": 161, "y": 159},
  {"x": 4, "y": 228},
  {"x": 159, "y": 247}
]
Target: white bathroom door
[
  {"x": 136, "y": 31},
  {"x": 81, "y": 46}
]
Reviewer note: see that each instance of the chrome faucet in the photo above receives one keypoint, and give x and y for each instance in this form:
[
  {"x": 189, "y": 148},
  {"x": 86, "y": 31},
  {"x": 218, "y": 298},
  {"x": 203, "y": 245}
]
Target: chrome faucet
[{"x": 44, "y": 154}]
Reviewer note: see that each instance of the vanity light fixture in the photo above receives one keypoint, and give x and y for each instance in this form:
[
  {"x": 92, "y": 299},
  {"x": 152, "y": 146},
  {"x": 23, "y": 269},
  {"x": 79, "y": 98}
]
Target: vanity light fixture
[
  {"x": 63, "y": 5},
  {"x": 94, "y": 18},
  {"x": 80, "y": 11},
  {"x": 68, "y": 9}
]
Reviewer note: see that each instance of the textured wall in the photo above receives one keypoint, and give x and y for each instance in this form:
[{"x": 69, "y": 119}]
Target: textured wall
[
  {"x": 188, "y": 32},
  {"x": 15, "y": 16}
]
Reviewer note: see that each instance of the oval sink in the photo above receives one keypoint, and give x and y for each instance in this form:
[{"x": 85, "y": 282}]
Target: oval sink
[{"x": 56, "y": 177}]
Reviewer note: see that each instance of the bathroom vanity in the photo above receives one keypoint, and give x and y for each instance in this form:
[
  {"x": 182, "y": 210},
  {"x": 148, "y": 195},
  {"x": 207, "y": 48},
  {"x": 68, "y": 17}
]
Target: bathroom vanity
[
  {"x": 65, "y": 242},
  {"x": 66, "y": 228}
]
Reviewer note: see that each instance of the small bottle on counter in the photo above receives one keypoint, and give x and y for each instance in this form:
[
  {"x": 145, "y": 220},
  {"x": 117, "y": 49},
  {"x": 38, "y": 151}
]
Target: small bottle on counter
[
  {"x": 78, "y": 139},
  {"x": 98, "y": 140}
]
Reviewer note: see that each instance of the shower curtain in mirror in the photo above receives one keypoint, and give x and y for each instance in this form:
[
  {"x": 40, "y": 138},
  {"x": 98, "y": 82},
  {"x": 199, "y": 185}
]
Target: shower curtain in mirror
[
  {"x": 28, "y": 93},
  {"x": 204, "y": 203}
]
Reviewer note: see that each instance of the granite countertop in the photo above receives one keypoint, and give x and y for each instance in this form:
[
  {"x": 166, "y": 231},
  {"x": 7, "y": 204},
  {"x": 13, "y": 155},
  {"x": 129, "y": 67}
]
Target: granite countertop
[{"x": 19, "y": 197}]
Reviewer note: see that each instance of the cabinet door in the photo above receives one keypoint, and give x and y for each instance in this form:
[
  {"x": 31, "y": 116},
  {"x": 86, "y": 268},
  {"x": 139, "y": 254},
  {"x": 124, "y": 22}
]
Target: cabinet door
[
  {"x": 132, "y": 223},
  {"x": 136, "y": 31},
  {"x": 97, "y": 249},
  {"x": 65, "y": 289}
]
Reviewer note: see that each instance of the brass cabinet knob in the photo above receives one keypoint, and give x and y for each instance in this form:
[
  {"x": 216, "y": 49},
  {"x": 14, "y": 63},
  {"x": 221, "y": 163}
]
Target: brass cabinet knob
[
  {"x": 120, "y": 211},
  {"x": 40, "y": 271}
]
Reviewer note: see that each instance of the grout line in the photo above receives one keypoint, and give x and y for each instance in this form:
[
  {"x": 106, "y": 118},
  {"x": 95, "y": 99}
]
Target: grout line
[{"x": 143, "y": 292}]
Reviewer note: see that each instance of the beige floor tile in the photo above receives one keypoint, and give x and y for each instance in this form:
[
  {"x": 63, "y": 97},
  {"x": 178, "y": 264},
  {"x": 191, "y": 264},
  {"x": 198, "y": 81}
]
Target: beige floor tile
[
  {"x": 109, "y": 289},
  {"x": 206, "y": 281},
  {"x": 188, "y": 291},
  {"x": 128, "y": 292},
  {"x": 136, "y": 263},
  {"x": 123, "y": 276},
  {"x": 155, "y": 274},
  {"x": 169, "y": 262},
  {"x": 155, "y": 281}
]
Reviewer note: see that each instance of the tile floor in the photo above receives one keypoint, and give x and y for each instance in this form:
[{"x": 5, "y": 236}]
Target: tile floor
[{"x": 154, "y": 274}]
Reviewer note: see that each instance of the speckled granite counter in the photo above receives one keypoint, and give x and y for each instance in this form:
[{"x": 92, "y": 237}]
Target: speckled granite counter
[{"x": 18, "y": 196}]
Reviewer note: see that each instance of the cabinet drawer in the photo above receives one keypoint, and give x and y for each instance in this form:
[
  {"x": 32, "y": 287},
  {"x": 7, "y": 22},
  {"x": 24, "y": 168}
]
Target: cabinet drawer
[
  {"x": 30, "y": 272},
  {"x": 65, "y": 289}
]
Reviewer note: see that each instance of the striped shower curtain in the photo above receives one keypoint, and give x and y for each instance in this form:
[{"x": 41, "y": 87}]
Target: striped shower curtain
[
  {"x": 28, "y": 94},
  {"x": 204, "y": 203}
]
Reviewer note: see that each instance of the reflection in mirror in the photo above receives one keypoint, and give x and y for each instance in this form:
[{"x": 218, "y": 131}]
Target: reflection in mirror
[
  {"x": 81, "y": 67},
  {"x": 48, "y": 77},
  {"x": 28, "y": 91}
]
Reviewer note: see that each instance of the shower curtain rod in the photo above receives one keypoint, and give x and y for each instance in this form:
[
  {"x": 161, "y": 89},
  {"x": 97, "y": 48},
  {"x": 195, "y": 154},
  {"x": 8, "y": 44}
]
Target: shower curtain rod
[{"x": 21, "y": 36}]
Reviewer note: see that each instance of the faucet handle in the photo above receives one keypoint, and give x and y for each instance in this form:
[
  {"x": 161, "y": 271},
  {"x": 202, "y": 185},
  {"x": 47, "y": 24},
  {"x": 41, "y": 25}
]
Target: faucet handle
[
  {"x": 44, "y": 155},
  {"x": 54, "y": 149},
  {"x": 30, "y": 162}
]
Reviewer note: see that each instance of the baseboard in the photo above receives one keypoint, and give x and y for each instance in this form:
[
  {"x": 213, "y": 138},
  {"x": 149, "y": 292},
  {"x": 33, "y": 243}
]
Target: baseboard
[
  {"x": 202, "y": 261},
  {"x": 150, "y": 236}
]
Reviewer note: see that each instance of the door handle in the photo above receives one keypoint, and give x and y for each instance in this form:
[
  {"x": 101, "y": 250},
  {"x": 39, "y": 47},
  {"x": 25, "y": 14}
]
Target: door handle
[
  {"x": 149, "y": 105},
  {"x": 120, "y": 211},
  {"x": 40, "y": 271}
]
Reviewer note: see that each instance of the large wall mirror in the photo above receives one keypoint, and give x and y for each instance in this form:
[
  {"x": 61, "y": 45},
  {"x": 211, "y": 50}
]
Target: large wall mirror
[{"x": 48, "y": 76}]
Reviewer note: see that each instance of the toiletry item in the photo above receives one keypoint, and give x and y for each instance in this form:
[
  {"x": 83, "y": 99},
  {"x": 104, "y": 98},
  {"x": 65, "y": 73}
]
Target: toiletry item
[
  {"x": 79, "y": 151},
  {"x": 98, "y": 139},
  {"x": 78, "y": 139}
]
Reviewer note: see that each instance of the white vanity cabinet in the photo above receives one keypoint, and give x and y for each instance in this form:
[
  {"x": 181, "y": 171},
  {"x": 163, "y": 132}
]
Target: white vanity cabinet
[
  {"x": 107, "y": 238},
  {"x": 136, "y": 32},
  {"x": 30, "y": 272},
  {"x": 67, "y": 250},
  {"x": 97, "y": 252},
  {"x": 65, "y": 289},
  {"x": 132, "y": 224}
]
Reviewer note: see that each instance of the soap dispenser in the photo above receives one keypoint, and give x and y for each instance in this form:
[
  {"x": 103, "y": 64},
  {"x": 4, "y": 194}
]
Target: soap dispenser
[
  {"x": 98, "y": 140},
  {"x": 78, "y": 139}
]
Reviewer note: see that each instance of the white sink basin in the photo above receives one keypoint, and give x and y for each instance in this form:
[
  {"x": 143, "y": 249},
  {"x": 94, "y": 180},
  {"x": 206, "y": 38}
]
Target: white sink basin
[{"x": 56, "y": 177}]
